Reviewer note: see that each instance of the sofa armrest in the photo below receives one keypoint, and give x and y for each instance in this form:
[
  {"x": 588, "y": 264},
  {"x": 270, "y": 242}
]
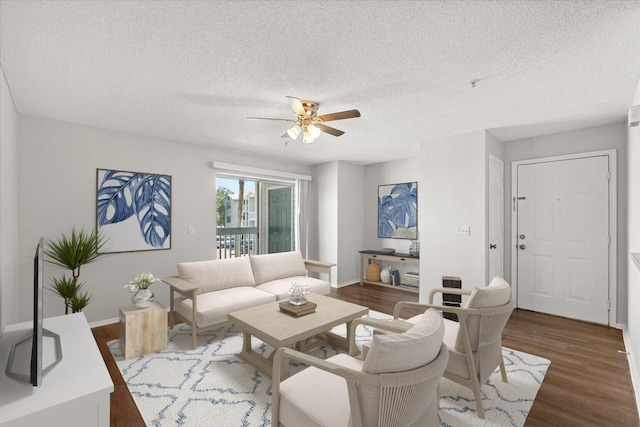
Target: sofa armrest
[
  {"x": 188, "y": 290},
  {"x": 179, "y": 285},
  {"x": 319, "y": 267}
]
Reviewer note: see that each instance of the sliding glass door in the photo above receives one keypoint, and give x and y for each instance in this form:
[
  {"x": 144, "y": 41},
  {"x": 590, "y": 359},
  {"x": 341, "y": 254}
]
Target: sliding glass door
[
  {"x": 253, "y": 216},
  {"x": 279, "y": 229}
]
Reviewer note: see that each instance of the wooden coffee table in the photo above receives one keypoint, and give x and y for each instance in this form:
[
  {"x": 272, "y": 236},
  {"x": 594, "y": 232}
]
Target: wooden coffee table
[{"x": 267, "y": 323}]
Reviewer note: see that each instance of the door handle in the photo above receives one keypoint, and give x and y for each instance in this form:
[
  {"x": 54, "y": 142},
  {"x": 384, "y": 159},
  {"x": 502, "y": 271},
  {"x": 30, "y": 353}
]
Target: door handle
[
  {"x": 492, "y": 246},
  {"x": 522, "y": 246}
]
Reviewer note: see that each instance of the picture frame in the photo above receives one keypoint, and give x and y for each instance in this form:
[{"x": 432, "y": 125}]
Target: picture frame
[
  {"x": 398, "y": 211},
  {"x": 133, "y": 210}
]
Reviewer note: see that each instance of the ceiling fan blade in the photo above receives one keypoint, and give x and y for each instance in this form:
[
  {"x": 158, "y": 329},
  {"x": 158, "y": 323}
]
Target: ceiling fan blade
[
  {"x": 329, "y": 130},
  {"x": 349, "y": 114},
  {"x": 296, "y": 106},
  {"x": 269, "y": 118}
]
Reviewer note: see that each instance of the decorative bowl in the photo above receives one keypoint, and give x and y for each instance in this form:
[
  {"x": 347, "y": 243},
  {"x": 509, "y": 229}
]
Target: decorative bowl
[{"x": 387, "y": 250}]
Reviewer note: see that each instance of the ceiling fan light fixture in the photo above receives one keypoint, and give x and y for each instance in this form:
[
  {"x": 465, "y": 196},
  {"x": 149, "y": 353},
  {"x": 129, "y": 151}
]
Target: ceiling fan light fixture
[
  {"x": 314, "y": 131},
  {"x": 307, "y": 138},
  {"x": 294, "y": 132}
]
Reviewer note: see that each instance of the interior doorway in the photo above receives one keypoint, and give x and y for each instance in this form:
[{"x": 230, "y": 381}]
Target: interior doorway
[
  {"x": 563, "y": 221},
  {"x": 496, "y": 218}
]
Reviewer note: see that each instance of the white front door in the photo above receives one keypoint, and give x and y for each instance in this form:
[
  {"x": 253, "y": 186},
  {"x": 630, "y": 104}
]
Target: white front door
[
  {"x": 563, "y": 238},
  {"x": 496, "y": 218}
]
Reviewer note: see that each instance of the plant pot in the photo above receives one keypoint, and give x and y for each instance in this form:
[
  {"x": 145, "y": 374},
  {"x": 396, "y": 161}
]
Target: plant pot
[{"x": 143, "y": 298}]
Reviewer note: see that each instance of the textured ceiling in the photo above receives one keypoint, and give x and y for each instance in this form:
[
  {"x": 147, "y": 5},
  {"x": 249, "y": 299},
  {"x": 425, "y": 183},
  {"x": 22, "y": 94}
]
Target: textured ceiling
[{"x": 192, "y": 71}]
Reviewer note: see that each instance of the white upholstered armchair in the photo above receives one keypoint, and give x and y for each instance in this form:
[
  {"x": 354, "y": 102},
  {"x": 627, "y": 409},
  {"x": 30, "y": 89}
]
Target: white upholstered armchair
[
  {"x": 475, "y": 342},
  {"x": 395, "y": 385}
]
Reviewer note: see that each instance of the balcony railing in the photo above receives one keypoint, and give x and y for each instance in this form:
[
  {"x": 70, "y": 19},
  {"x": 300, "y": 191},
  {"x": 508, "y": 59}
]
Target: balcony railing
[{"x": 234, "y": 242}]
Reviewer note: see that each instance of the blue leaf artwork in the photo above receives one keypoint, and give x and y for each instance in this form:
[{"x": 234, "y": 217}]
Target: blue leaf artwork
[
  {"x": 398, "y": 211},
  {"x": 134, "y": 210}
]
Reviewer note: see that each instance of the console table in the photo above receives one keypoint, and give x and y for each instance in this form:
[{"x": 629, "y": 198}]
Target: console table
[
  {"x": 371, "y": 255},
  {"x": 75, "y": 392}
]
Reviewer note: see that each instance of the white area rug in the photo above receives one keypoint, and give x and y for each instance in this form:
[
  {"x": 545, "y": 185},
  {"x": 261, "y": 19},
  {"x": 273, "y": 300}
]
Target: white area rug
[{"x": 211, "y": 386}]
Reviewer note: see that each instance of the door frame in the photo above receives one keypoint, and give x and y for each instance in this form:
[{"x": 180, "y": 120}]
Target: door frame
[{"x": 613, "y": 221}]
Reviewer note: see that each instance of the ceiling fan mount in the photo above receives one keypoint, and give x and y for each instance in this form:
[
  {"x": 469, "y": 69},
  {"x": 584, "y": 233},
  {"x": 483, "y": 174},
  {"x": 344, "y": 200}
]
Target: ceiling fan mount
[
  {"x": 307, "y": 121},
  {"x": 310, "y": 108}
]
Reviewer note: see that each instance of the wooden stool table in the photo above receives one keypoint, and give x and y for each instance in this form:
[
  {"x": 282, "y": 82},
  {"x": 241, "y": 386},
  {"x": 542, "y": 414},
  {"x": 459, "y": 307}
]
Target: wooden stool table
[{"x": 143, "y": 330}]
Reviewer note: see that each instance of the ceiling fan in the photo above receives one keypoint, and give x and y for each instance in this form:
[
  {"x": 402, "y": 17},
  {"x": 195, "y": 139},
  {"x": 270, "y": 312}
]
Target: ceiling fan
[{"x": 308, "y": 123}]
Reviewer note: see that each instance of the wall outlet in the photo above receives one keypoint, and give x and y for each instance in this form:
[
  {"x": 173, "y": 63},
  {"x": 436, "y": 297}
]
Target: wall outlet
[{"x": 463, "y": 230}]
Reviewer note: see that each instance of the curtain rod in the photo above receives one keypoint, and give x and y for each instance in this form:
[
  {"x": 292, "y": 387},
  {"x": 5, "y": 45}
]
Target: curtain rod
[{"x": 257, "y": 172}]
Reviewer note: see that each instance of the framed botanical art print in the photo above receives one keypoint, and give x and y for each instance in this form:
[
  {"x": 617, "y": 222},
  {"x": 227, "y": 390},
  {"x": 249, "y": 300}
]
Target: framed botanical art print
[
  {"x": 398, "y": 211},
  {"x": 134, "y": 210}
]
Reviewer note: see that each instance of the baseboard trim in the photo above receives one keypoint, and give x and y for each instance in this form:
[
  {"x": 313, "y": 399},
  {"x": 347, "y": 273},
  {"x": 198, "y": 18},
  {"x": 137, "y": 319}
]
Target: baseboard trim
[
  {"x": 633, "y": 370},
  {"x": 105, "y": 322}
]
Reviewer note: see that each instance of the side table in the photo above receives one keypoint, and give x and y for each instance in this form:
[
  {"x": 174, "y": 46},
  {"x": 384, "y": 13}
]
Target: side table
[{"x": 143, "y": 330}]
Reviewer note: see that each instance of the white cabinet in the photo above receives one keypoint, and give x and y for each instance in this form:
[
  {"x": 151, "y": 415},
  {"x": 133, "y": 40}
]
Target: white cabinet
[{"x": 76, "y": 392}]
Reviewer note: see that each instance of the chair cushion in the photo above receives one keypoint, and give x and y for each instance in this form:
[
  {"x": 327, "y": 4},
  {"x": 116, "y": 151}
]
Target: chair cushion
[
  {"x": 409, "y": 350},
  {"x": 315, "y": 398},
  {"x": 497, "y": 293},
  {"x": 457, "y": 362},
  {"x": 269, "y": 267},
  {"x": 218, "y": 273}
]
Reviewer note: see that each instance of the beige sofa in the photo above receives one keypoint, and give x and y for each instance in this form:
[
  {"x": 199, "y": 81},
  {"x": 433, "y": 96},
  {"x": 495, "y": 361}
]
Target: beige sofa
[{"x": 209, "y": 290}]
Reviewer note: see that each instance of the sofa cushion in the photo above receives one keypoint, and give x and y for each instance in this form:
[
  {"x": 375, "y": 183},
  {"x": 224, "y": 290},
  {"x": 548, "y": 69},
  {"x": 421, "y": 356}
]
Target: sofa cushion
[
  {"x": 408, "y": 350},
  {"x": 213, "y": 307},
  {"x": 217, "y": 274},
  {"x": 280, "y": 287},
  {"x": 269, "y": 267}
]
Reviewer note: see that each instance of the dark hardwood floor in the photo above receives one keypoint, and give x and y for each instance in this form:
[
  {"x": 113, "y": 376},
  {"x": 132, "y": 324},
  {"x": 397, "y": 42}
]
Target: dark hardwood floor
[{"x": 587, "y": 384}]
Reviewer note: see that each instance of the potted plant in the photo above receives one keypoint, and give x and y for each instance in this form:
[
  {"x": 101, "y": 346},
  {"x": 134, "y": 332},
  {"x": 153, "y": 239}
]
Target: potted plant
[
  {"x": 143, "y": 296},
  {"x": 72, "y": 252}
]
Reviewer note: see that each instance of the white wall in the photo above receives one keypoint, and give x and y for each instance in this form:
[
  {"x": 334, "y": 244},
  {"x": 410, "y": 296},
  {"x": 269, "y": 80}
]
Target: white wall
[
  {"x": 8, "y": 206},
  {"x": 351, "y": 227},
  {"x": 324, "y": 190},
  {"x": 338, "y": 204},
  {"x": 597, "y": 138},
  {"x": 632, "y": 333},
  {"x": 57, "y": 165},
  {"x": 452, "y": 193}
]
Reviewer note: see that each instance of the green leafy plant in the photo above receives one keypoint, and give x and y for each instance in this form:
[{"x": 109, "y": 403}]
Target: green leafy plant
[
  {"x": 72, "y": 252},
  {"x": 80, "y": 301}
]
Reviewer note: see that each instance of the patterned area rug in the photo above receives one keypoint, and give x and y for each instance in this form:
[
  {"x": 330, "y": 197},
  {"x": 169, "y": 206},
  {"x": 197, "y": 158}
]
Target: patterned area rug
[{"x": 211, "y": 386}]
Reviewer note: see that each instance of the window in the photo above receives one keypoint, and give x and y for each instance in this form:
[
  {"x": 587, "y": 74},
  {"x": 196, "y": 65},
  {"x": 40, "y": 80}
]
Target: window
[
  {"x": 264, "y": 215},
  {"x": 263, "y": 210}
]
